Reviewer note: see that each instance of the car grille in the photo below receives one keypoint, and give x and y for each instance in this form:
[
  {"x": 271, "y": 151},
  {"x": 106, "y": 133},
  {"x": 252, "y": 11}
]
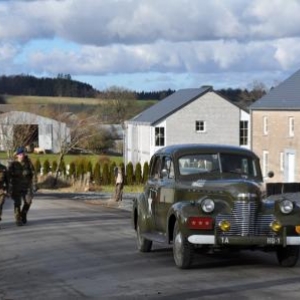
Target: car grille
[{"x": 246, "y": 221}]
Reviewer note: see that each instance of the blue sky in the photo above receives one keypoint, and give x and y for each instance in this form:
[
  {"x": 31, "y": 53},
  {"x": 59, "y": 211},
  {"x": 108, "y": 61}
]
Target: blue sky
[{"x": 149, "y": 45}]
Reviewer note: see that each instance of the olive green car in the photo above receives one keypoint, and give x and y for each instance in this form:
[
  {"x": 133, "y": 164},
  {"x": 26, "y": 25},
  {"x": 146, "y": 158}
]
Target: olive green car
[{"x": 209, "y": 198}]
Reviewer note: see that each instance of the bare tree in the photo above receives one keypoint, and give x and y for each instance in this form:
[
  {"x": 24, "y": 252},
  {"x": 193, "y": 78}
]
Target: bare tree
[
  {"x": 7, "y": 142},
  {"x": 118, "y": 105},
  {"x": 72, "y": 132},
  {"x": 259, "y": 89}
]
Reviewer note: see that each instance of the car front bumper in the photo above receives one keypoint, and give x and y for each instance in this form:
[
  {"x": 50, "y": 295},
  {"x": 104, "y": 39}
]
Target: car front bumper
[{"x": 243, "y": 240}]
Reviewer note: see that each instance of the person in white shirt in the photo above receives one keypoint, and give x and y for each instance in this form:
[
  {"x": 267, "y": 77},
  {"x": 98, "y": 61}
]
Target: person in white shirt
[{"x": 119, "y": 184}]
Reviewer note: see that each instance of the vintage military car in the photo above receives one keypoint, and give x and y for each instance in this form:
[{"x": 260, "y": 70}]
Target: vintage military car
[{"x": 212, "y": 197}]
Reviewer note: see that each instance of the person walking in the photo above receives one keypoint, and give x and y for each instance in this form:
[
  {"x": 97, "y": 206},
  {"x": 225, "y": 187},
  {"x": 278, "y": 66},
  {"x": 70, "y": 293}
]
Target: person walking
[
  {"x": 22, "y": 184},
  {"x": 3, "y": 187}
]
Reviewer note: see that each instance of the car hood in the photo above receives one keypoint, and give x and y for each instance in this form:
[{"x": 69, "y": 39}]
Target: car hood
[{"x": 233, "y": 186}]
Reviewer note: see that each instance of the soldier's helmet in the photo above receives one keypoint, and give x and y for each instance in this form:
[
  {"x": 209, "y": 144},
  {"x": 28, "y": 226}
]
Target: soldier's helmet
[{"x": 20, "y": 150}]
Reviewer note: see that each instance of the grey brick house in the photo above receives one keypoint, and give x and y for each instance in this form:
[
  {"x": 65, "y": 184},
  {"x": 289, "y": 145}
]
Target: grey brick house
[
  {"x": 275, "y": 120},
  {"x": 196, "y": 115}
]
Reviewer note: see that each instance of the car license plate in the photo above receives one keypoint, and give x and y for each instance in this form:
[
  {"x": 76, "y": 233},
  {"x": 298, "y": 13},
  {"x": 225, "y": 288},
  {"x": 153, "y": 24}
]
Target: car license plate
[
  {"x": 249, "y": 240},
  {"x": 273, "y": 240}
]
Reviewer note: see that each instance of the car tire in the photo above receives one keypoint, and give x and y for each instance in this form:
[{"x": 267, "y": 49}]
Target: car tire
[
  {"x": 288, "y": 256},
  {"x": 143, "y": 244},
  {"x": 183, "y": 251}
]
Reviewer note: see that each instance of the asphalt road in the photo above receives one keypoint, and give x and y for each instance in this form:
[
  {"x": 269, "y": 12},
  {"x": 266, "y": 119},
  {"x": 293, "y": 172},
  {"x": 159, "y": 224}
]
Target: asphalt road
[{"x": 76, "y": 249}]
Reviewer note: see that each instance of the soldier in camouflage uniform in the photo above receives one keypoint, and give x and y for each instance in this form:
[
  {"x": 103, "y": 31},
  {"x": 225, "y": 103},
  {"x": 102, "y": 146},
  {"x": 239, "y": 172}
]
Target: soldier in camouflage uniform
[
  {"x": 22, "y": 182},
  {"x": 3, "y": 187}
]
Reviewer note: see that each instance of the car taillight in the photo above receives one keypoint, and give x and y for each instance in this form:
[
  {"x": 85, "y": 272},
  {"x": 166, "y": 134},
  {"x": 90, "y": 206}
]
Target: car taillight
[{"x": 200, "y": 223}]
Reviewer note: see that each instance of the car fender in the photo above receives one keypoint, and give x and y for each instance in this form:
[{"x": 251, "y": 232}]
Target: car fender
[
  {"x": 272, "y": 204},
  {"x": 141, "y": 214},
  {"x": 180, "y": 212}
]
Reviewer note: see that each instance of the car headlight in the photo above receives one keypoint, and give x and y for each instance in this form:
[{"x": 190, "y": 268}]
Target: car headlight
[
  {"x": 286, "y": 206},
  {"x": 207, "y": 205}
]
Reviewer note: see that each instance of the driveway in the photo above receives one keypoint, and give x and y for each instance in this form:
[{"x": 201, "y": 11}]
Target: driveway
[{"x": 73, "y": 248}]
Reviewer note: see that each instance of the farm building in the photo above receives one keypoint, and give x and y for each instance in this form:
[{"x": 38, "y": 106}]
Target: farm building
[{"x": 33, "y": 131}]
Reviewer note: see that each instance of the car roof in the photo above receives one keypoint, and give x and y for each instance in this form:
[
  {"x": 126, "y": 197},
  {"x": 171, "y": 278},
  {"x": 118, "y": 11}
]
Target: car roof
[{"x": 180, "y": 149}]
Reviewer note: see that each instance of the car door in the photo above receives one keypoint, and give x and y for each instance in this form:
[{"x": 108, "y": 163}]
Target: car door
[
  {"x": 164, "y": 194},
  {"x": 153, "y": 189}
]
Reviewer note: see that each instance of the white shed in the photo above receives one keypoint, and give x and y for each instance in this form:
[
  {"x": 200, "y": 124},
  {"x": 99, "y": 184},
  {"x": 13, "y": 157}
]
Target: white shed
[{"x": 51, "y": 134}]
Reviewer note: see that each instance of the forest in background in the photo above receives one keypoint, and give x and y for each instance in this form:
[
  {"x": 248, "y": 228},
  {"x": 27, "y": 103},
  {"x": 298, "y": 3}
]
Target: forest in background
[{"x": 64, "y": 86}]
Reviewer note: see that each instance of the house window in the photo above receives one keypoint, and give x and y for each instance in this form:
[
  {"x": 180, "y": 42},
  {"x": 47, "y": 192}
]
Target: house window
[
  {"x": 159, "y": 136},
  {"x": 266, "y": 125},
  {"x": 200, "y": 126},
  {"x": 281, "y": 161},
  {"x": 265, "y": 163},
  {"x": 243, "y": 133},
  {"x": 291, "y": 126}
]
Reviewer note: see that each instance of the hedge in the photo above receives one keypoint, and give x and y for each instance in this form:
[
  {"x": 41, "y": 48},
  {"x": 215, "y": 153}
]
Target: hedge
[{"x": 101, "y": 173}]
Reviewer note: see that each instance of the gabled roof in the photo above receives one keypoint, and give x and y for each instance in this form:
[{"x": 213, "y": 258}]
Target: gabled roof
[
  {"x": 286, "y": 96},
  {"x": 169, "y": 105},
  {"x": 24, "y": 117}
]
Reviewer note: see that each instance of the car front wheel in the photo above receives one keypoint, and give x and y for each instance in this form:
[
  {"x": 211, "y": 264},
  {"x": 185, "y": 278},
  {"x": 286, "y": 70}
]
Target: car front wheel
[
  {"x": 183, "y": 251},
  {"x": 143, "y": 244},
  {"x": 288, "y": 256}
]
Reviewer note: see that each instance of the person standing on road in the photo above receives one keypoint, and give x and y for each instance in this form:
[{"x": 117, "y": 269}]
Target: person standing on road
[
  {"x": 3, "y": 187},
  {"x": 119, "y": 184},
  {"x": 22, "y": 184}
]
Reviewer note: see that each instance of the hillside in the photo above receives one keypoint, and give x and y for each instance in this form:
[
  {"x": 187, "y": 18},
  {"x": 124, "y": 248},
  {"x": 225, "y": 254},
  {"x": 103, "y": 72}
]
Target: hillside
[{"x": 39, "y": 104}]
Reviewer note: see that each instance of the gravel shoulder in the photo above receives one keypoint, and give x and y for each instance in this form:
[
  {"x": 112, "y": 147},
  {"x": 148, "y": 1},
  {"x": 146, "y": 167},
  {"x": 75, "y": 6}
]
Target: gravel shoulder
[{"x": 95, "y": 198}]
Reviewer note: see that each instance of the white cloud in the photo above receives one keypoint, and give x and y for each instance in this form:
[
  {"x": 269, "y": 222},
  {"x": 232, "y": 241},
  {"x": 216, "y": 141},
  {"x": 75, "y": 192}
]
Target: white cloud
[
  {"x": 188, "y": 38},
  {"x": 276, "y": 19},
  {"x": 164, "y": 57},
  {"x": 288, "y": 53},
  {"x": 104, "y": 22}
]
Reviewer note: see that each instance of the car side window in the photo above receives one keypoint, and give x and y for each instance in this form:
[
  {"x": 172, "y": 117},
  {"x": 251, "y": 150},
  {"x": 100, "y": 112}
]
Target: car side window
[
  {"x": 155, "y": 171},
  {"x": 168, "y": 168}
]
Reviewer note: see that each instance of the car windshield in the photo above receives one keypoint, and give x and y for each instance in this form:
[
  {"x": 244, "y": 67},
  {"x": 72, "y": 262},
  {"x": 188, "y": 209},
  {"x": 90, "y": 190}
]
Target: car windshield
[{"x": 226, "y": 164}]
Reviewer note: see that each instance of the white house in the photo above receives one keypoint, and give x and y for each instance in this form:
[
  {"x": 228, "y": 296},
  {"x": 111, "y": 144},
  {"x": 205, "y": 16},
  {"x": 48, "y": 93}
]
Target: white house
[
  {"x": 197, "y": 115},
  {"x": 49, "y": 134}
]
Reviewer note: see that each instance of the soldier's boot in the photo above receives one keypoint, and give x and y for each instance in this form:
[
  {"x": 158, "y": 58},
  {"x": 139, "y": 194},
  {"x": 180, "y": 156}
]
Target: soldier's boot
[
  {"x": 18, "y": 217},
  {"x": 24, "y": 212}
]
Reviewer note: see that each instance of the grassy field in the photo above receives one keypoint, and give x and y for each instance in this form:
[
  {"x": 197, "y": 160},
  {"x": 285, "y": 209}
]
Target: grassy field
[
  {"x": 70, "y": 103},
  {"x": 50, "y": 100},
  {"x": 41, "y": 105}
]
